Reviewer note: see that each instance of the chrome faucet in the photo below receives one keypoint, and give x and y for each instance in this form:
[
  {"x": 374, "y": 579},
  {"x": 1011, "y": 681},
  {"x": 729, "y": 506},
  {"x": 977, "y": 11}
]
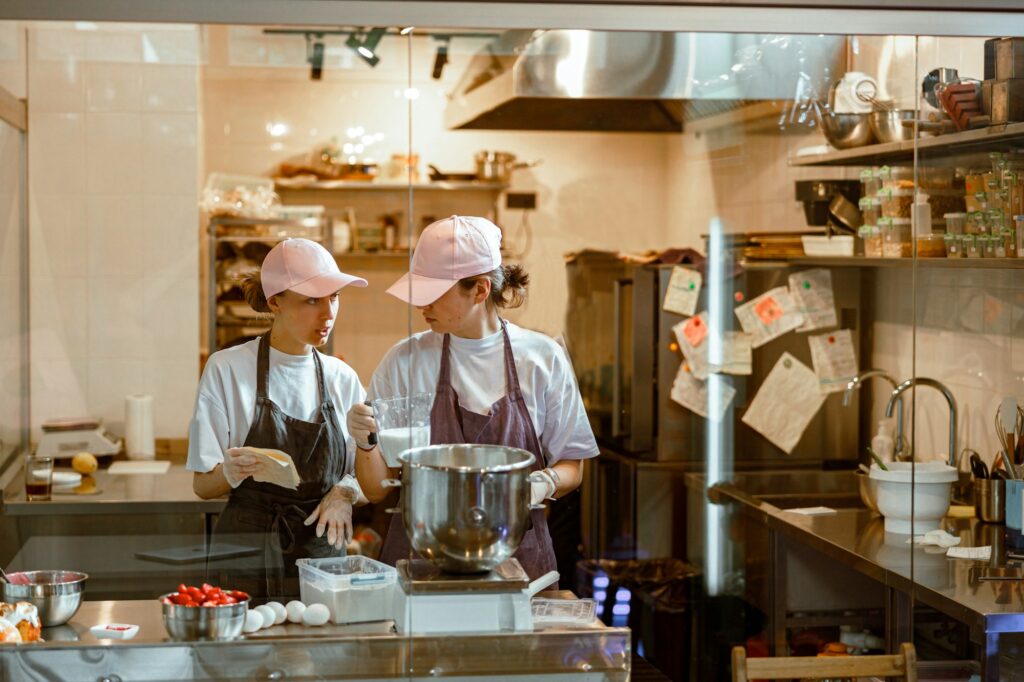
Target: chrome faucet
[
  {"x": 925, "y": 381},
  {"x": 858, "y": 381}
]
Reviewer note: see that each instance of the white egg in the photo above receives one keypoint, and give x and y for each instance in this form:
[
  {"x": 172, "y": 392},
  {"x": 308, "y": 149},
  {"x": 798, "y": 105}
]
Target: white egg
[
  {"x": 253, "y": 621},
  {"x": 295, "y": 609},
  {"x": 279, "y": 611},
  {"x": 268, "y": 615},
  {"x": 316, "y": 614}
]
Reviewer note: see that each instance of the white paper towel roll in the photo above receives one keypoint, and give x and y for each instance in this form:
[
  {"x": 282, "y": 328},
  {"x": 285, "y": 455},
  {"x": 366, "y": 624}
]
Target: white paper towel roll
[{"x": 138, "y": 427}]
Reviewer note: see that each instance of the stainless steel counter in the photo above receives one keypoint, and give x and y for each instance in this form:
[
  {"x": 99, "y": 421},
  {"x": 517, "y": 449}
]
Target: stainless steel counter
[
  {"x": 856, "y": 537},
  {"x": 169, "y": 493},
  {"x": 369, "y": 650}
]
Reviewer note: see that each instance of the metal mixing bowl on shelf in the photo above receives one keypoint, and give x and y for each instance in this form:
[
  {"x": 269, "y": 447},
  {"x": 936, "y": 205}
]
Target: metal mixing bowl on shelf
[
  {"x": 192, "y": 623},
  {"x": 844, "y": 131},
  {"x": 888, "y": 126},
  {"x": 466, "y": 507},
  {"x": 55, "y": 594}
]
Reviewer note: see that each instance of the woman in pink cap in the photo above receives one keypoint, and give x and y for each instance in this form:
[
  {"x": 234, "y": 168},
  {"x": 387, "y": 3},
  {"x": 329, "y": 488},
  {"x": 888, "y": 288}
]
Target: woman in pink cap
[
  {"x": 493, "y": 382},
  {"x": 279, "y": 392}
]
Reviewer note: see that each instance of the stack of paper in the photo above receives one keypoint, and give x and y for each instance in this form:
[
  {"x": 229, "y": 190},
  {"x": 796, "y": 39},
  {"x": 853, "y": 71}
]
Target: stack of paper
[{"x": 280, "y": 470}]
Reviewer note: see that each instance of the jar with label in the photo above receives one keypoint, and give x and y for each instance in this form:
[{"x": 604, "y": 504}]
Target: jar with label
[
  {"x": 896, "y": 177},
  {"x": 970, "y": 245},
  {"x": 955, "y": 222},
  {"x": 872, "y": 237},
  {"x": 870, "y": 209},
  {"x": 976, "y": 223},
  {"x": 988, "y": 245},
  {"x": 930, "y": 246},
  {"x": 996, "y": 221},
  {"x": 895, "y": 237},
  {"x": 954, "y": 245},
  {"x": 896, "y": 202},
  {"x": 870, "y": 183}
]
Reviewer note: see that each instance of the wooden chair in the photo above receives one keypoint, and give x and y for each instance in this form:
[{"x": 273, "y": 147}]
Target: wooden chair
[{"x": 902, "y": 665}]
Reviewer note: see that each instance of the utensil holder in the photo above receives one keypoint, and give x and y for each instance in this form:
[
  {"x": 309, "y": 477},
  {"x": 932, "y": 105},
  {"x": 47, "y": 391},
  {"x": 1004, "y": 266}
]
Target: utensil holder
[
  {"x": 990, "y": 499},
  {"x": 1014, "y": 491}
]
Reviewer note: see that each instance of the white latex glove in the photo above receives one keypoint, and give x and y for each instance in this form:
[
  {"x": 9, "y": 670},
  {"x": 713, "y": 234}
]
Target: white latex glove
[
  {"x": 351, "y": 484},
  {"x": 361, "y": 424},
  {"x": 239, "y": 465},
  {"x": 334, "y": 514},
  {"x": 542, "y": 487}
]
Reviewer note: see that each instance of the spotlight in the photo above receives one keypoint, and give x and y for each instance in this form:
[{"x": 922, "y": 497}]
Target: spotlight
[
  {"x": 440, "y": 59},
  {"x": 366, "y": 46},
  {"x": 315, "y": 57}
]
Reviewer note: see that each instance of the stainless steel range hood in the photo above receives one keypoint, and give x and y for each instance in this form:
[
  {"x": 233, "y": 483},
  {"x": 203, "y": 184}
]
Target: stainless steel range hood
[{"x": 634, "y": 81}]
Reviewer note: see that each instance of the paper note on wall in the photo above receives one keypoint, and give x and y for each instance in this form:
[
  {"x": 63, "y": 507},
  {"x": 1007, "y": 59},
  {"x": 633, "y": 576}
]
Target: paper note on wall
[
  {"x": 785, "y": 404},
  {"x": 683, "y": 291},
  {"x": 732, "y": 356},
  {"x": 769, "y": 316},
  {"x": 814, "y": 298},
  {"x": 834, "y": 360},
  {"x": 691, "y": 334},
  {"x": 711, "y": 397}
]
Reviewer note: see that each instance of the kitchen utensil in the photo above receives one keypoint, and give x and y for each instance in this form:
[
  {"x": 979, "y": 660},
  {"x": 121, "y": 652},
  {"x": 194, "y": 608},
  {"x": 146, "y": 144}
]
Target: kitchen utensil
[
  {"x": 935, "y": 79},
  {"x": 844, "y": 131},
  {"x": 402, "y": 423},
  {"x": 466, "y": 507},
  {"x": 1000, "y": 474},
  {"x": 192, "y": 623},
  {"x": 437, "y": 176},
  {"x": 887, "y": 126},
  {"x": 1009, "y": 425},
  {"x": 961, "y": 101},
  {"x": 355, "y": 589},
  {"x": 844, "y": 214},
  {"x": 878, "y": 460},
  {"x": 56, "y": 594},
  {"x": 3, "y": 575},
  {"x": 990, "y": 500},
  {"x": 978, "y": 466},
  {"x": 494, "y": 166},
  {"x": 913, "y": 498},
  {"x": 1008, "y": 466}
]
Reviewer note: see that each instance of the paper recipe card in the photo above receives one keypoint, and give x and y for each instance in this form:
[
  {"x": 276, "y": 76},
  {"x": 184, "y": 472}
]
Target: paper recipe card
[
  {"x": 683, "y": 290},
  {"x": 696, "y": 395},
  {"x": 733, "y": 356},
  {"x": 691, "y": 335},
  {"x": 769, "y": 316},
  {"x": 833, "y": 359},
  {"x": 785, "y": 404},
  {"x": 812, "y": 292}
]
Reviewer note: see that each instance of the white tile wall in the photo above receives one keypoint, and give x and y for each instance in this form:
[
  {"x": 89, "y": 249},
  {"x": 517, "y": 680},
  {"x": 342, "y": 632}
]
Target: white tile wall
[{"x": 113, "y": 219}]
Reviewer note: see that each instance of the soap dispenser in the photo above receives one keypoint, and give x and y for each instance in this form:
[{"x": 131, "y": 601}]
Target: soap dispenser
[{"x": 882, "y": 443}]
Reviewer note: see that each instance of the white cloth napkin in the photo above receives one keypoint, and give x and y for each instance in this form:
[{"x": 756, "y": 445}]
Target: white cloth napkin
[
  {"x": 937, "y": 538},
  {"x": 977, "y": 553}
]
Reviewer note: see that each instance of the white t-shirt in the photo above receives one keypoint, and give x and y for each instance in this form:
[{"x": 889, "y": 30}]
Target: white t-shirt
[
  {"x": 226, "y": 401},
  {"x": 478, "y": 376}
]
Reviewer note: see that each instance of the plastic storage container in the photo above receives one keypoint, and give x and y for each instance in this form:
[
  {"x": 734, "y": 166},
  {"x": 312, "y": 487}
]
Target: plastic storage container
[
  {"x": 872, "y": 237},
  {"x": 870, "y": 183},
  {"x": 896, "y": 177},
  {"x": 895, "y": 237},
  {"x": 896, "y": 202},
  {"x": 931, "y": 246},
  {"x": 954, "y": 245},
  {"x": 945, "y": 201},
  {"x": 870, "y": 209},
  {"x": 955, "y": 222},
  {"x": 355, "y": 589}
]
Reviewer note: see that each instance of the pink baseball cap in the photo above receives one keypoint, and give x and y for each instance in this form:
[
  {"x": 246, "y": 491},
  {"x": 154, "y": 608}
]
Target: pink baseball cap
[
  {"x": 449, "y": 250},
  {"x": 305, "y": 267}
]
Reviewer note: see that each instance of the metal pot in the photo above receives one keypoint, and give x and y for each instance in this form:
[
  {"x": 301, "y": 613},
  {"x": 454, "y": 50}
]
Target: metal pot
[
  {"x": 498, "y": 166},
  {"x": 466, "y": 507}
]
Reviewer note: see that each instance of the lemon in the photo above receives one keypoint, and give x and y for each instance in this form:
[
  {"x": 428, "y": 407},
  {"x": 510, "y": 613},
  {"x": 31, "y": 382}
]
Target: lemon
[{"x": 84, "y": 463}]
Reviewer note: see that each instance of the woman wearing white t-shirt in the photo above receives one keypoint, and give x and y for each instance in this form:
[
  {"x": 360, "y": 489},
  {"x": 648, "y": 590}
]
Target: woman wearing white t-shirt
[
  {"x": 279, "y": 392},
  {"x": 494, "y": 382}
]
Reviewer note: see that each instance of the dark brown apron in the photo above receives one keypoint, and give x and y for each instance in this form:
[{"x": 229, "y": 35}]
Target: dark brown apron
[
  {"x": 269, "y": 518},
  {"x": 508, "y": 424}
]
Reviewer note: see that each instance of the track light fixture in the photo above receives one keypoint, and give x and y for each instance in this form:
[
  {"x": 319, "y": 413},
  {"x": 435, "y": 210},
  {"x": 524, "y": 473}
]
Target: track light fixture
[
  {"x": 365, "y": 45},
  {"x": 315, "y": 55},
  {"x": 440, "y": 59}
]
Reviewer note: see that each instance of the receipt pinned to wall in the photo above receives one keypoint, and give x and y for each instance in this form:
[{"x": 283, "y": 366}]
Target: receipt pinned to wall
[
  {"x": 785, "y": 404},
  {"x": 834, "y": 360},
  {"x": 814, "y": 298},
  {"x": 691, "y": 334},
  {"x": 711, "y": 397},
  {"x": 733, "y": 356},
  {"x": 769, "y": 316},
  {"x": 683, "y": 291}
]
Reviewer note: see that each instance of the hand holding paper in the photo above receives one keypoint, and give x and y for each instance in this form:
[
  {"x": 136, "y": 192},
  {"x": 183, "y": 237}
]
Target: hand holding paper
[{"x": 267, "y": 465}]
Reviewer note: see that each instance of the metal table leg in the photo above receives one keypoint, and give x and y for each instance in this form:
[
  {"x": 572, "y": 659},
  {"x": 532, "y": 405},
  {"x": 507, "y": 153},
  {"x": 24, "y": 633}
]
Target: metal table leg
[
  {"x": 899, "y": 624},
  {"x": 778, "y": 599},
  {"x": 990, "y": 658}
]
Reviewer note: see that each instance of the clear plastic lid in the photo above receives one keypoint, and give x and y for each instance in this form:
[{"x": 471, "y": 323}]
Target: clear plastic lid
[{"x": 569, "y": 611}]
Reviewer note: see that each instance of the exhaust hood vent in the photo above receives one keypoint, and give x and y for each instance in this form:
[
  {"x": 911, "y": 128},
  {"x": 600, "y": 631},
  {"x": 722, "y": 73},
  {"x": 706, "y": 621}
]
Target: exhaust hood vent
[{"x": 634, "y": 82}]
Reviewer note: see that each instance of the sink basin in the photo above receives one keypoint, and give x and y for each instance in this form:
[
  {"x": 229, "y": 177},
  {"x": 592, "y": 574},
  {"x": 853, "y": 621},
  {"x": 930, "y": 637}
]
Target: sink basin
[{"x": 798, "y": 488}]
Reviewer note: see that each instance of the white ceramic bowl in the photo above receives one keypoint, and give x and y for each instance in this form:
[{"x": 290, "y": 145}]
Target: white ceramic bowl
[{"x": 933, "y": 482}]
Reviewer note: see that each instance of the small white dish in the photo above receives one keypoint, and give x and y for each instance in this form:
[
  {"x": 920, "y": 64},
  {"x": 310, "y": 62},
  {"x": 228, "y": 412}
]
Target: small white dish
[
  {"x": 114, "y": 631},
  {"x": 66, "y": 479}
]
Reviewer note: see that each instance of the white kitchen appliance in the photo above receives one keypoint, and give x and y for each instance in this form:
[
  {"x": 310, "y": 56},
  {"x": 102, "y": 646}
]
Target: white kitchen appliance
[
  {"x": 65, "y": 438},
  {"x": 431, "y": 601}
]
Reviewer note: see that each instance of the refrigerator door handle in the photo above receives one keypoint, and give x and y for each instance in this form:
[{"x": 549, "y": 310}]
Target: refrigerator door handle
[{"x": 617, "y": 287}]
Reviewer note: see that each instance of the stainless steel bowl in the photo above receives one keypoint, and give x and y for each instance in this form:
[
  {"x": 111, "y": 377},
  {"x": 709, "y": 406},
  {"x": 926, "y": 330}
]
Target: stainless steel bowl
[
  {"x": 888, "y": 126},
  {"x": 466, "y": 507},
  {"x": 55, "y": 594},
  {"x": 844, "y": 131},
  {"x": 193, "y": 623},
  {"x": 868, "y": 489}
]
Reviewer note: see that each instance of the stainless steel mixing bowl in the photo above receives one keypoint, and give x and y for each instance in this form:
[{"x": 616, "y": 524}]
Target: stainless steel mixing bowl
[
  {"x": 466, "y": 507},
  {"x": 844, "y": 131},
  {"x": 888, "y": 125},
  {"x": 192, "y": 623},
  {"x": 56, "y": 594}
]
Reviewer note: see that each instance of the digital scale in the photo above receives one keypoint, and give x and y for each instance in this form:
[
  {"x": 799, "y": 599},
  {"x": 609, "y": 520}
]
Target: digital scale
[
  {"x": 429, "y": 600},
  {"x": 65, "y": 438}
]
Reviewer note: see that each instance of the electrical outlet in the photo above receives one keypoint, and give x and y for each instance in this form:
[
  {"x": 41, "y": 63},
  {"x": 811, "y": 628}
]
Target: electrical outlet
[{"x": 524, "y": 200}]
